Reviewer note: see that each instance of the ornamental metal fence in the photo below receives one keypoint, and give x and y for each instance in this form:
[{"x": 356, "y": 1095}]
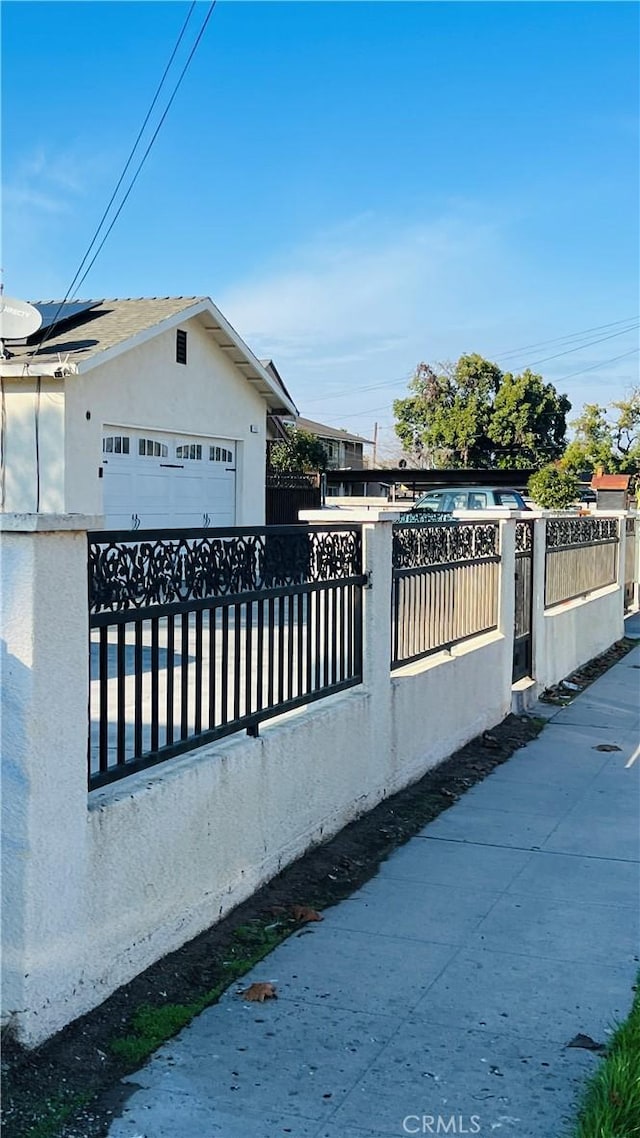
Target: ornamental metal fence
[
  {"x": 630, "y": 561},
  {"x": 581, "y": 555},
  {"x": 523, "y": 609},
  {"x": 288, "y": 492},
  {"x": 198, "y": 634},
  {"x": 445, "y": 585}
]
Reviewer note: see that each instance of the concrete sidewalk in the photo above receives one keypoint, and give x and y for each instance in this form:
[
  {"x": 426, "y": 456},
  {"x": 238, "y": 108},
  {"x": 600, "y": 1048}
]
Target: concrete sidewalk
[{"x": 449, "y": 986}]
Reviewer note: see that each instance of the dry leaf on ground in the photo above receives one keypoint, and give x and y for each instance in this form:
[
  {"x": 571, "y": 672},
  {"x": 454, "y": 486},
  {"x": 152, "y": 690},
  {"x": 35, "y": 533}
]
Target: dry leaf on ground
[
  {"x": 258, "y": 993},
  {"x": 303, "y": 914}
]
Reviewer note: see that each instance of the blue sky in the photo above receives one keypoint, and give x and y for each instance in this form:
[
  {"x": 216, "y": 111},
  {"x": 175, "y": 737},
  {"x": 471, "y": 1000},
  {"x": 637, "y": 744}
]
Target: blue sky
[{"x": 359, "y": 186}]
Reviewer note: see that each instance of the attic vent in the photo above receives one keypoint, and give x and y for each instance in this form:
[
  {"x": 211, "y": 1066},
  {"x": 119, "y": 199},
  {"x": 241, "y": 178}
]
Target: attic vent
[{"x": 181, "y": 346}]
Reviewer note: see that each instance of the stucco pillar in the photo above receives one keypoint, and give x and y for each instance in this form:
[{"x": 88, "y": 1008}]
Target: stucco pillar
[
  {"x": 376, "y": 663},
  {"x": 538, "y": 627},
  {"x": 44, "y": 625},
  {"x": 507, "y": 601}
]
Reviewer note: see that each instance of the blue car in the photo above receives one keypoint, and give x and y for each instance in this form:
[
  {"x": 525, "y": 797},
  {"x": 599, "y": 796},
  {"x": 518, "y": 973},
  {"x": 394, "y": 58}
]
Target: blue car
[{"x": 450, "y": 498}]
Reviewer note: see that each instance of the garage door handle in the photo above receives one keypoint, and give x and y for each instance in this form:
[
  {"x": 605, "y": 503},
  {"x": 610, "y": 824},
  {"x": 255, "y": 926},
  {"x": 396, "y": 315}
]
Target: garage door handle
[
  {"x": 230, "y": 468},
  {"x": 173, "y": 465}
]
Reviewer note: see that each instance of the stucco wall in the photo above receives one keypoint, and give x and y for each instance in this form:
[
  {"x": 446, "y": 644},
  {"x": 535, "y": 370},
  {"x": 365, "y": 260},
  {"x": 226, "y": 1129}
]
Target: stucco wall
[
  {"x": 43, "y": 731},
  {"x": 570, "y": 634},
  {"x": 33, "y": 446},
  {"x": 103, "y": 885}
]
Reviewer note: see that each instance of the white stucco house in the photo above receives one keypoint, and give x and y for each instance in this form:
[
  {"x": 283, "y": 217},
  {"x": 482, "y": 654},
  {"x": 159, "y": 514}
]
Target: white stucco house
[{"x": 150, "y": 412}]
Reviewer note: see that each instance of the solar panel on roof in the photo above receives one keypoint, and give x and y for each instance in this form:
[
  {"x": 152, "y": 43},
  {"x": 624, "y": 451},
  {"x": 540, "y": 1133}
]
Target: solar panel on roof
[{"x": 55, "y": 313}]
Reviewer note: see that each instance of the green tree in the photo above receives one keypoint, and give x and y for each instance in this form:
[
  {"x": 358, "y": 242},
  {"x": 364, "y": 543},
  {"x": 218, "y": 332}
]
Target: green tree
[
  {"x": 301, "y": 451},
  {"x": 529, "y": 421},
  {"x": 553, "y": 488},
  {"x": 607, "y": 437},
  {"x": 471, "y": 415}
]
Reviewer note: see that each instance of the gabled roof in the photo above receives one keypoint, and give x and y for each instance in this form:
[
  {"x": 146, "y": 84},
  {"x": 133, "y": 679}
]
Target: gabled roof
[
  {"x": 111, "y": 327},
  {"x": 325, "y": 432},
  {"x": 269, "y": 366},
  {"x": 610, "y": 481}
]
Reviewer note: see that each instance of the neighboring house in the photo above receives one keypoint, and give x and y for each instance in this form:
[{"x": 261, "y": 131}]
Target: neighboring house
[
  {"x": 276, "y": 430},
  {"x": 344, "y": 451},
  {"x": 612, "y": 491},
  {"x": 151, "y": 412}
]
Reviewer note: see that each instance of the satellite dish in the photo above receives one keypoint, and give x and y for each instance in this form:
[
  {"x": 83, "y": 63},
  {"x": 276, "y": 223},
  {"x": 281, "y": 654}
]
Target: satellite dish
[{"x": 18, "y": 320}]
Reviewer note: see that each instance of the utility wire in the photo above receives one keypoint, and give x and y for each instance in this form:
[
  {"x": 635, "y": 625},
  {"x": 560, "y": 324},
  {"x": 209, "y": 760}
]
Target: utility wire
[
  {"x": 75, "y": 280},
  {"x": 592, "y": 367},
  {"x": 560, "y": 339},
  {"x": 579, "y": 347},
  {"x": 557, "y": 355},
  {"x": 153, "y": 138},
  {"x": 133, "y": 148}
]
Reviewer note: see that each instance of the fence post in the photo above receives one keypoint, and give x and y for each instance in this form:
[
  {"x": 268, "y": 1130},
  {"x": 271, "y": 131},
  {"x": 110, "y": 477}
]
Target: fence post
[
  {"x": 507, "y": 592},
  {"x": 636, "y": 539},
  {"x": 43, "y": 589},
  {"x": 376, "y": 662},
  {"x": 538, "y": 628}
]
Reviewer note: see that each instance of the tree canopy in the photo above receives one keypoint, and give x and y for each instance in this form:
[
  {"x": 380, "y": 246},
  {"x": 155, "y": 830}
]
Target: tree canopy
[
  {"x": 471, "y": 414},
  {"x": 301, "y": 451},
  {"x": 607, "y": 437}
]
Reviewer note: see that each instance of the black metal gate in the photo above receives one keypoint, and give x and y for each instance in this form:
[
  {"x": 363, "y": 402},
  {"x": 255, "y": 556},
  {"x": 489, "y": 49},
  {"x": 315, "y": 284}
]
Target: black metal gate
[
  {"x": 522, "y": 654},
  {"x": 287, "y": 492}
]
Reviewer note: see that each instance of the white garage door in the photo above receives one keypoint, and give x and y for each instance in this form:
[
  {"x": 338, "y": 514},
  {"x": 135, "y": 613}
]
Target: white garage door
[{"x": 152, "y": 480}]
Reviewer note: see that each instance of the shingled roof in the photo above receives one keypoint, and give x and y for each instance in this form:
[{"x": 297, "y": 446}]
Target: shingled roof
[
  {"x": 87, "y": 338},
  {"x": 109, "y": 323},
  {"x": 610, "y": 482}
]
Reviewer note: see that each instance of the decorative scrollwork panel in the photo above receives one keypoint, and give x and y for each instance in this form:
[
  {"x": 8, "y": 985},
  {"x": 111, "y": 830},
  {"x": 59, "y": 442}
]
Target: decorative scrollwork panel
[
  {"x": 565, "y": 532},
  {"x": 168, "y": 569},
  {"x": 416, "y": 547},
  {"x": 524, "y": 537}
]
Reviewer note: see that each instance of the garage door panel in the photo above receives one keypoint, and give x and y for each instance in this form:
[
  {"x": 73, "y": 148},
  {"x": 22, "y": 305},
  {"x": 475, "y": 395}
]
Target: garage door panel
[{"x": 163, "y": 483}]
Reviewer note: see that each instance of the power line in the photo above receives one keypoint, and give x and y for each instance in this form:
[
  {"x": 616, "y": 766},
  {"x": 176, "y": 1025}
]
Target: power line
[
  {"x": 75, "y": 280},
  {"x": 579, "y": 347},
  {"x": 560, "y": 339},
  {"x": 370, "y": 387},
  {"x": 134, "y": 147},
  {"x": 153, "y": 138},
  {"x": 592, "y": 367}
]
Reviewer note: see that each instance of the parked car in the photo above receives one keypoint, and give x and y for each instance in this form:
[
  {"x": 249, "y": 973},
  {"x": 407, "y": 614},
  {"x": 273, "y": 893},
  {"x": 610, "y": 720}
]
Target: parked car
[{"x": 450, "y": 498}]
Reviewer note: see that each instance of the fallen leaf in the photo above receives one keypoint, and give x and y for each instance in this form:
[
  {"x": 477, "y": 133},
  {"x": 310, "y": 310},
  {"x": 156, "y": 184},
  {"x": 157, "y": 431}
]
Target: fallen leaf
[
  {"x": 258, "y": 993},
  {"x": 606, "y": 747},
  {"x": 586, "y": 1042},
  {"x": 303, "y": 914}
]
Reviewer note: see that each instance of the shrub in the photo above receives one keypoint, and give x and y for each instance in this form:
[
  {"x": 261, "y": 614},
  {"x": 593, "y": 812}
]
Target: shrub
[{"x": 553, "y": 488}]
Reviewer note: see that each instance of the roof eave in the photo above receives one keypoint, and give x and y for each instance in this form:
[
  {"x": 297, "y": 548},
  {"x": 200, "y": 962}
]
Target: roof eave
[{"x": 231, "y": 343}]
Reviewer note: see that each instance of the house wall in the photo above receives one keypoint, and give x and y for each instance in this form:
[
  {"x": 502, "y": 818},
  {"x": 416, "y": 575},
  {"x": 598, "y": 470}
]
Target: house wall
[
  {"x": 141, "y": 388},
  {"x": 33, "y": 446},
  {"x": 146, "y": 388}
]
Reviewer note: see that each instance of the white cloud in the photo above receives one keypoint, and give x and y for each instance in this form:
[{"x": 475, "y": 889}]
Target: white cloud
[{"x": 363, "y": 303}]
